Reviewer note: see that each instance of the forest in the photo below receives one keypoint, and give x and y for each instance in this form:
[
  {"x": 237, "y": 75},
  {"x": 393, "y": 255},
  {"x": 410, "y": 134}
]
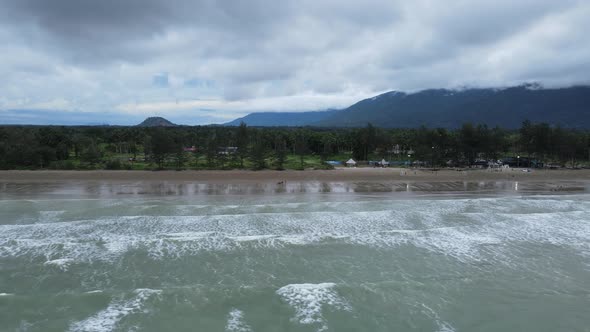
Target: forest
[{"x": 243, "y": 147}]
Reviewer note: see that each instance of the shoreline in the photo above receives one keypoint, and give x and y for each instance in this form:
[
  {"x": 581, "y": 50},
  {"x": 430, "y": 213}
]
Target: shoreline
[{"x": 265, "y": 176}]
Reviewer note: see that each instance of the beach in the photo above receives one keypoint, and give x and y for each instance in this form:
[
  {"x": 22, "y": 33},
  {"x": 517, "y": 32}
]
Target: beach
[
  {"x": 336, "y": 175},
  {"x": 402, "y": 182}
]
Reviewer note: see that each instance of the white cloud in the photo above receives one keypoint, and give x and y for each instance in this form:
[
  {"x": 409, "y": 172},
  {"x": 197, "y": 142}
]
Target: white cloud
[
  {"x": 229, "y": 109},
  {"x": 276, "y": 56}
]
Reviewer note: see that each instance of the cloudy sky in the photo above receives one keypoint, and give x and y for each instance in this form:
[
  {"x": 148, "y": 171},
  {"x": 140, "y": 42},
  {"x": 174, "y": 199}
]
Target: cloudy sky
[{"x": 206, "y": 61}]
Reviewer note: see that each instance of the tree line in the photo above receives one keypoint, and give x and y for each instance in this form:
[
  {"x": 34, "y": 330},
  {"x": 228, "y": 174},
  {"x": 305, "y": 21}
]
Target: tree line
[{"x": 214, "y": 147}]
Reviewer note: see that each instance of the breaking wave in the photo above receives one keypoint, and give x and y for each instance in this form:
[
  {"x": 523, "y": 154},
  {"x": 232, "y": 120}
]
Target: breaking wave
[
  {"x": 236, "y": 323},
  {"x": 107, "y": 319},
  {"x": 309, "y": 301},
  {"x": 465, "y": 229}
]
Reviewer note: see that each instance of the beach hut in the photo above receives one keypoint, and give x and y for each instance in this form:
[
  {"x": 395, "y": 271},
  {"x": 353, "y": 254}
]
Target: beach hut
[{"x": 351, "y": 163}]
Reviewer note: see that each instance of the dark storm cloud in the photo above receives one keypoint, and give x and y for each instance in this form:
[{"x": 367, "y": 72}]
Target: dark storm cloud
[
  {"x": 442, "y": 32},
  {"x": 103, "y": 31},
  {"x": 109, "y": 30},
  {"x": 91, "y": 55},
  {"x": 491, "y": 21}
]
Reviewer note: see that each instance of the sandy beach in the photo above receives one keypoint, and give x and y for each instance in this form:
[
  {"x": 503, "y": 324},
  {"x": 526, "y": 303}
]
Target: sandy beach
[{"x": 339, "y": 175}]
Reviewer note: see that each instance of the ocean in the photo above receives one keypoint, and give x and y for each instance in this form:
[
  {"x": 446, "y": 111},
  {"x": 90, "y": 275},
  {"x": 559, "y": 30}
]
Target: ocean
[{"x": 294, "y": 257}]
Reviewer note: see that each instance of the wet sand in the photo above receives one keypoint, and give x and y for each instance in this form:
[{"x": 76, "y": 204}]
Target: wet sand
[
  {"x": 337, "y": 175},
  {"x": 104, "y": 184}
]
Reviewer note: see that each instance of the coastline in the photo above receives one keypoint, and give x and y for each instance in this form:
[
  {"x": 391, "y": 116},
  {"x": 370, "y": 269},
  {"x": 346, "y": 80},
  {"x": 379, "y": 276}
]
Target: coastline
[{"x": 264, "y": 176}]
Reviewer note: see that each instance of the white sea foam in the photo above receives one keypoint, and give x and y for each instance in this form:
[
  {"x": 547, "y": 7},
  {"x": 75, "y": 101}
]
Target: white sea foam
[
  {"x": 236, "y": 323},
  {"x": 441, "y": 324},
  {"x": 107, "y": 319},
  {"x": 248, "y": 238},
  {"x": 6, "y": 294},
  {"x": 444, "y": 327},
  {"x": 62, "y": 263},
  {"x": 309, "y": 300},
  {"x": 465, "y": 229}
]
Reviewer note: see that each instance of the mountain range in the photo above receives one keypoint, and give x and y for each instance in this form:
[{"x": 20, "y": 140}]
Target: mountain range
[
  {"x": 505, "y": 107},
  {"x": 287, "y": 119}
]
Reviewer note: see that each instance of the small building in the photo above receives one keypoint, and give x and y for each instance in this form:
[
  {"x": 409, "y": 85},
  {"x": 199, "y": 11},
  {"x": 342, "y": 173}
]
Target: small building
[
  {"x": 351, "y": 163},
  {"x": 519, "y": 161},
  {"x": 189, "y": 149},
  {"x": 227, "y": 150},
  {"x": 494, "y": 164},
  {"x": 381, "y": 163}
]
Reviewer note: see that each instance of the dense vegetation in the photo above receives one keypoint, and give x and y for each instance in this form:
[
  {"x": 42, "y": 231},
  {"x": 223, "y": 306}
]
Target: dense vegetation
[
  {"x": 506, "y": 108},
  {"x": 53, "y": 147}
]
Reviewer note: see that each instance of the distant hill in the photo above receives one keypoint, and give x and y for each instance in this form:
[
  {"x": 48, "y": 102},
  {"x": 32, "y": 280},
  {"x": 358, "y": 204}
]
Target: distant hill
[
  {"x": 156, "y": 121},
  {"x": 280, "y": 119},
  {"x": 508, "y": 108}
]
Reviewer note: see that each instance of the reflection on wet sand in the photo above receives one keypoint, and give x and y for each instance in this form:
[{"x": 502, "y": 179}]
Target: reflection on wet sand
[{"x": 100, "y": 189}]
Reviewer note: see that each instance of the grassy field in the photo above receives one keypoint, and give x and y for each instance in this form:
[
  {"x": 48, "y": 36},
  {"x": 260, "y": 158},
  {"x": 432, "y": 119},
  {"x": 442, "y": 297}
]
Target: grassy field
[{"x": 123, "y": 161}]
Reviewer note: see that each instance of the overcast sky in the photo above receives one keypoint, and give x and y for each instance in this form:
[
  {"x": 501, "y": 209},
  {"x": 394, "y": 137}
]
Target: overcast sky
[{"x": 197, "y": 62}]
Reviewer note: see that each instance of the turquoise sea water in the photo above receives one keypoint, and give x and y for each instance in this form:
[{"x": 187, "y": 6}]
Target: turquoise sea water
[{"x": 303, "y": 257}]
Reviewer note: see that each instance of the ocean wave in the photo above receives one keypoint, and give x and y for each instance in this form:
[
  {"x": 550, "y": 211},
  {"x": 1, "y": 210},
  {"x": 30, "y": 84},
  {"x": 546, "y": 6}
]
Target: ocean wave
[
  {"x": 463, "y": 229},
  {"x": 309, "y": 301},
  {"x": 62, "y": 263},
  {"x": 442, "y": 326},
  {"x": 107, "y": 319},
  {"x": 236, "y": 323}
]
